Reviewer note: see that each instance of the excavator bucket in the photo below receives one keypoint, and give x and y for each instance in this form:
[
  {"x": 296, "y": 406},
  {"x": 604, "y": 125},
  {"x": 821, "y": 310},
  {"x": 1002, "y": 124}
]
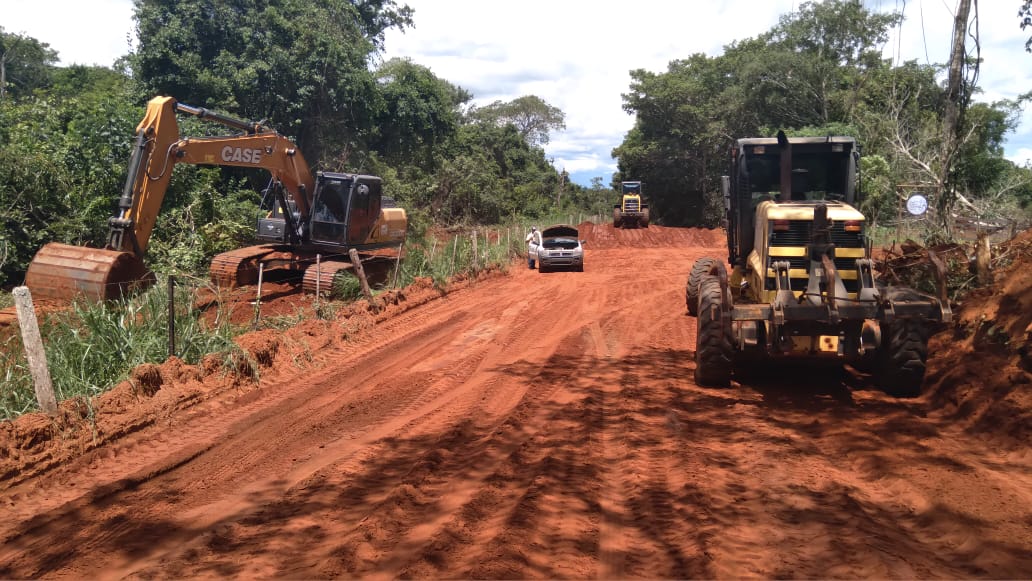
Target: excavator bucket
[{"x": 64, "y": 272}]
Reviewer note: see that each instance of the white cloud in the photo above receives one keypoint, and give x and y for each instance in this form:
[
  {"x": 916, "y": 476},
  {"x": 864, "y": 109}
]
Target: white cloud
[
  {"x": 575, "y": 54},
  {"x": 1021, "y": 156},
  {"x": 85, "y": 32}
]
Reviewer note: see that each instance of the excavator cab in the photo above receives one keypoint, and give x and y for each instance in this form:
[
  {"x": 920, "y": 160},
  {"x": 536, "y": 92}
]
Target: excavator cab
[
  {"x": 344, "y": 208},
  {"x": 346, "y": 205}
]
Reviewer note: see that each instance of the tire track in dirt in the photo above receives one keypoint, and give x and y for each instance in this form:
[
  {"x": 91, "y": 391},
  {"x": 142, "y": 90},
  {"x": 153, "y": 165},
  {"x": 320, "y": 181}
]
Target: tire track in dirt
[
  {"x": 379, "y": 530},
  {"x": 475, "y": 497},
  {"x": 125, "y": 448},
  {"x": 519, "y": 482},
  {"x": 212, "y": 478}
]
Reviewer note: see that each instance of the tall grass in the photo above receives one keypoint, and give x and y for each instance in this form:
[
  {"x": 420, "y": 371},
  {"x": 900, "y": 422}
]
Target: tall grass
[
  {"x": 496, "y": 247},
  {"x": 91, "y": 347},
  {"x": 466, "y": 253}
]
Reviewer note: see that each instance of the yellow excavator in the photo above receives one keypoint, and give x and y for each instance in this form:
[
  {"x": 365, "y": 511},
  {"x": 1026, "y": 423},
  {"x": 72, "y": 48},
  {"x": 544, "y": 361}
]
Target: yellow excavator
[{"x": 314, "y": 216}]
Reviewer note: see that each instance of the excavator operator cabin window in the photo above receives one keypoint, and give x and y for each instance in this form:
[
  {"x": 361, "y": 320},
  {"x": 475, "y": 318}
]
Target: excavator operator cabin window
[
  {"x": 330, "y": 213},
  {"x": 361, "y": 198},
  {"x": 331, "y": 206}
]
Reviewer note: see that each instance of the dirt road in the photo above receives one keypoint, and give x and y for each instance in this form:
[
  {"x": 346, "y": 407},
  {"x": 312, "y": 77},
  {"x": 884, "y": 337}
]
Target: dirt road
[{"x": 533, "y": 426}]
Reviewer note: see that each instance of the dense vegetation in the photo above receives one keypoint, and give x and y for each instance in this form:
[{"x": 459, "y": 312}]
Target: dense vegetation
[
  {"x": 819, "y": 71},
  {"x": 313, "y": 71},
  {"x": 303, "y": 68}
]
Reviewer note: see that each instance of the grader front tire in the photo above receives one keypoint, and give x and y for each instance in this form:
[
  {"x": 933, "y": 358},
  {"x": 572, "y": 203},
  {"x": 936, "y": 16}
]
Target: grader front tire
[
  {"x": 714, "y": 354},
  {"x": 700, "y": 269},
  {"x": 900, "y": 367}
]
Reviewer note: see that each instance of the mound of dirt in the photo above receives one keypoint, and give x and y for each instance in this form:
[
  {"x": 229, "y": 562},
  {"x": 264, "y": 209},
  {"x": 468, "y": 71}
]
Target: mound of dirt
[
  {"x": 606, "y": 236},
  {"x": 980, "y": 370}
]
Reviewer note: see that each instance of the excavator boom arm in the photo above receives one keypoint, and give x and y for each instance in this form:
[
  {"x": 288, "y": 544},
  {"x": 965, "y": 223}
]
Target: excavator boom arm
[
  {"x": 159, "y": 148},
  {"x": 62, "y": 271}
]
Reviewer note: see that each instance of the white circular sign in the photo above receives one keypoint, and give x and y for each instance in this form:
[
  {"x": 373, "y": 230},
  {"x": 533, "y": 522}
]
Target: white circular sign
[{"x": 917, "y": 204}]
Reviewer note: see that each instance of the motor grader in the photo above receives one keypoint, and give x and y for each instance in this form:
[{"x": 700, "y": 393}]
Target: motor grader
[
  {"x": 802, "y": 285},
  {"x": 313, "y": 216},
  {"x": 631, "y": 212}
]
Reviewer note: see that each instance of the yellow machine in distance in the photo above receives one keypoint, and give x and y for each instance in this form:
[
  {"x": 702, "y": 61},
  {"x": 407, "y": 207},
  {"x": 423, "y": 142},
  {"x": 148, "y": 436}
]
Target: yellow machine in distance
[{"x": 632, "y": 211}]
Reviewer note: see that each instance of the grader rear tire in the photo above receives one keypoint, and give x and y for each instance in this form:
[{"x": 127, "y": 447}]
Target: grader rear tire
[
  {"x": 700, "y": 269},
  {"x": 714, "y": 354},
  {"x": 900, "y": 367}
]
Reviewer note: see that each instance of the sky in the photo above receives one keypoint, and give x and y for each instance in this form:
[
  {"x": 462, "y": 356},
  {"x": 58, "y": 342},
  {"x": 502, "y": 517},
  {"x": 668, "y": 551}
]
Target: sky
[{"x": 577, "y": 54}]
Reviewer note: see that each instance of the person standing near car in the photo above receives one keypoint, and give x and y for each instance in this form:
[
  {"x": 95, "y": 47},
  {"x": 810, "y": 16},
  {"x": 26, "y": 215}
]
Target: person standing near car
[{"x": 533, "y": 241}]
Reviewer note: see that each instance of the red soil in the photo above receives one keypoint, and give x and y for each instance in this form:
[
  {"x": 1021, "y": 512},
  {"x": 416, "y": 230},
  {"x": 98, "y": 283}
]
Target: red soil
[{"x": 528, "y": 425}]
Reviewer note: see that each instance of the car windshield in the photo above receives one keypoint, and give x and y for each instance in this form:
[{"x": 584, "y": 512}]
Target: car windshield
[{"x": 564, "y": 243}]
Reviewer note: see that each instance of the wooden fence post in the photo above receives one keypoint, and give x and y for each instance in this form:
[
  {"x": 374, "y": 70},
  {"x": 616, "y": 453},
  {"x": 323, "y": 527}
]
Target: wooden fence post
[
  {"x": 397, "y": 264},
  {"x": 258, "y": 299},
  {"x": 34, "y": 352},
  {"x": 171, "y": 316},
  {"x": 455, "y": 250},
  {"x": 356, "y": 263},
  {"x": 318, "y": 280},
  {"x": 983, "y": 258}
]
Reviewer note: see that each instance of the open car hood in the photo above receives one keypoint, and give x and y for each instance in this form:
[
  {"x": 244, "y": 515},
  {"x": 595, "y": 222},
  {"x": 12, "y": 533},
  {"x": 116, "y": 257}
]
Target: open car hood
[{"x": 559, "y": 230}]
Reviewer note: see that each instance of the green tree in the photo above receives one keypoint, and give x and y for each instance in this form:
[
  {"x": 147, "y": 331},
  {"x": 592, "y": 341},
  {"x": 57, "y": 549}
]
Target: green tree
[
  {"x": 72, "y": 81},
  {"x": 804, "y": 74},
  {"x": 1025, "y": 15},
  {"x": 490, "y": 172},
  {"x": 62, "y": 165},
  {"x": 827, "y": 49},
  {"x": 421, "y": 113},
  {"x": 25, "y": 64},
  {"x": 533, "y": 118},
  {"x": 300, "y": 65},
  {"x": 819, "y": 72},
  {"x": 684, "y": 119}
]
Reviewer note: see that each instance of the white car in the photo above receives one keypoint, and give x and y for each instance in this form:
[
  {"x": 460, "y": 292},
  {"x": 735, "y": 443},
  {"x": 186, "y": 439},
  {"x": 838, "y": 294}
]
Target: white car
[{"x": 560, "y": 248}]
